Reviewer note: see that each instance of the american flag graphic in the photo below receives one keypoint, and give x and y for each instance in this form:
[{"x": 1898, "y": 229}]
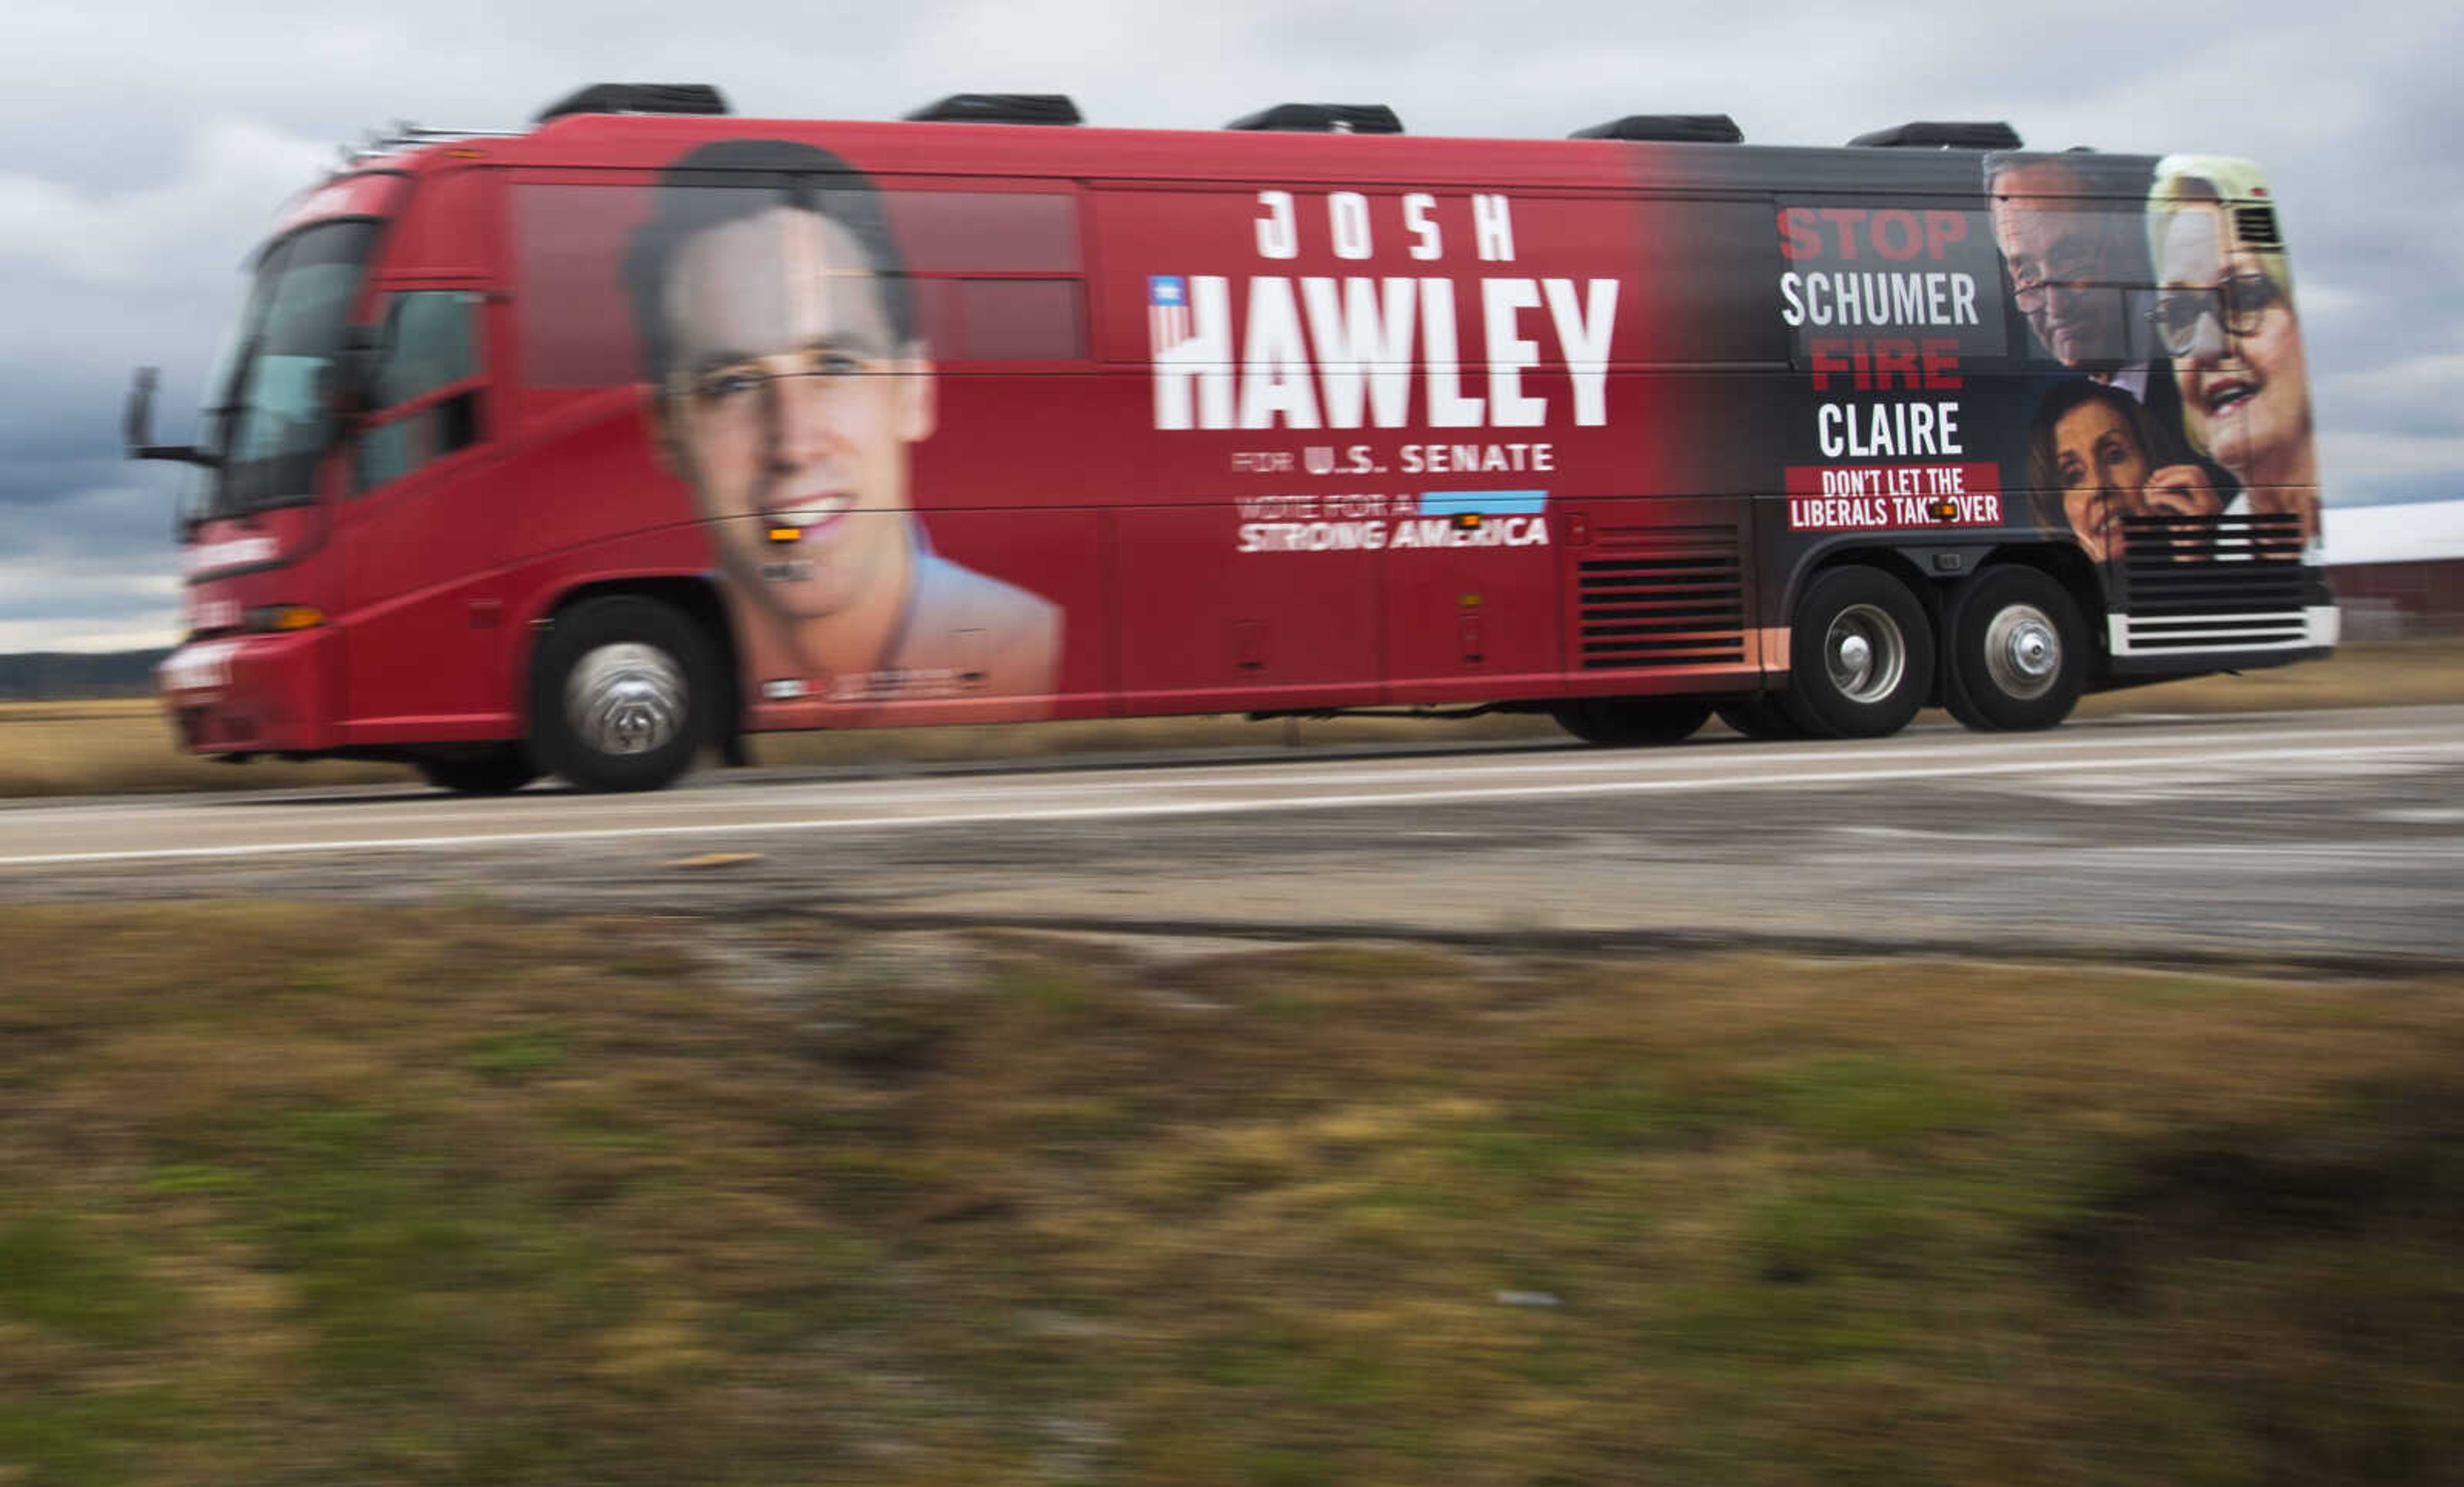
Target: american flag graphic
[{"x": 1167, "y": 312}]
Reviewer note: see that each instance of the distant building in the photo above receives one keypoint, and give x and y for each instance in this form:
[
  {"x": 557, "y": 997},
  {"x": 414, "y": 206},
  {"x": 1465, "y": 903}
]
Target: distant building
[{"x": 2398, "y": 569}]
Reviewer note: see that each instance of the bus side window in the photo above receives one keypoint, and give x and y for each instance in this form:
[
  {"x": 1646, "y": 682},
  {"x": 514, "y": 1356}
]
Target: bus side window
[
  {"x": 422, "y": 409},
  {"x": 994, "y": 274}
]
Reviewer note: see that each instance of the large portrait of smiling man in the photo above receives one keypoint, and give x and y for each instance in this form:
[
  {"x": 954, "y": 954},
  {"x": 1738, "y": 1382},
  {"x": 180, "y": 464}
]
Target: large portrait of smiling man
[{"x": 787, "y": 381}]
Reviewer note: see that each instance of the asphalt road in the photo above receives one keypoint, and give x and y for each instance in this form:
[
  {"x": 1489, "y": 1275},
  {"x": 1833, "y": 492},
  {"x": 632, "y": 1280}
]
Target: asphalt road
[{"x": 2311, "y": 839}]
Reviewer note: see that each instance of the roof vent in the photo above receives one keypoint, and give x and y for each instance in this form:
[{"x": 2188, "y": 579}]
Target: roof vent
[
  {"x": 1324, "y": 118},
  {"x": 1679, "y": 128},
  {"x": 1942, "y": 135},
  {"x": 1000, "y": 108},
  {"x": 638, "y": 97},
  {"x": 2255, "y": 227}
]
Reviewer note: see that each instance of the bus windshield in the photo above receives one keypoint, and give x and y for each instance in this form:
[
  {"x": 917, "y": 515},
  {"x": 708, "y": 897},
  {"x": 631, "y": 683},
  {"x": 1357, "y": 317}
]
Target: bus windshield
[{"x": 270, "y": 422}]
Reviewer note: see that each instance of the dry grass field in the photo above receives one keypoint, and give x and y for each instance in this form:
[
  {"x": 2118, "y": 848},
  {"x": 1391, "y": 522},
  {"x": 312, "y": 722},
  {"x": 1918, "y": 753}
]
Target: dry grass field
[
  {"x": 442, "y": 1195},
  {"x": 123, "y": 744}
]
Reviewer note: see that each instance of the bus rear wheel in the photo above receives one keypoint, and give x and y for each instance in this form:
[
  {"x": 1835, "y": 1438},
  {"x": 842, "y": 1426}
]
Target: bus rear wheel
[
  {"x": 1861, "y": 655},
  {"x": 1620, "y": 722},
  {"x": 623, "y": 695},
  {"x": 2015, "y": 652}
]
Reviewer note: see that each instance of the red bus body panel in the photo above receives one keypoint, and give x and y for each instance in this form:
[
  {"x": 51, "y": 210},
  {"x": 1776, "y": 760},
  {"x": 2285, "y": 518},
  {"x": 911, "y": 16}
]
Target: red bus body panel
[{"x": 1588, "y": 501}]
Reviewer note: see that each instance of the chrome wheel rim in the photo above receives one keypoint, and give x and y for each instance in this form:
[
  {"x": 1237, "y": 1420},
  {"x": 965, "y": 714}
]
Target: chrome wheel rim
[
  {"x": 1865, "y": 653},
  {"x": 2023, "y": 651},
  {"x": 627, "y": 698}
]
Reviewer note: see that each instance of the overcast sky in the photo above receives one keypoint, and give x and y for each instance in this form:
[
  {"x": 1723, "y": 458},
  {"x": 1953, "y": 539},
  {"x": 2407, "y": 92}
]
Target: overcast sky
[{"x": 151, "y": 141}]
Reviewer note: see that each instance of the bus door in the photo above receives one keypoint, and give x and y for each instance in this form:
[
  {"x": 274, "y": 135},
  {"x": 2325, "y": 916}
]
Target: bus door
[{"x": 420, "y": 525}]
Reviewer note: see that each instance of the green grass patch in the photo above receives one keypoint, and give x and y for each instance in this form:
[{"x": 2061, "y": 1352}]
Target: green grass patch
[
  {"x": 1046, "y": 988},
  {"x": 67, "y": 1278},
  {"x": 86, "y": 1440},
  {"x": 519, "y": 1054},
  {"x": 444, "y": 1195},
  {"x": 1629, "y": 1115},
  {"x": 403, "y": 1271},
  {"x": 1881, "y": 1104}
]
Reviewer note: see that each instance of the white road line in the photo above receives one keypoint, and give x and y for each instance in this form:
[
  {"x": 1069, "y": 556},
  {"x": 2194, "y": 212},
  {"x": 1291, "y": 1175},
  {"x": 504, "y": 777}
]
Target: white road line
[
  {"x": 2277, "y": 854},
  {"x": 1174, "y": 808},
  {"x": 1268, "y": 775}
]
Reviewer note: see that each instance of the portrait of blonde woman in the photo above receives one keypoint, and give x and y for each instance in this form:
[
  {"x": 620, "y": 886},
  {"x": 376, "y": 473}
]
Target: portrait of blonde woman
[{"x": 2225, "y": 315}]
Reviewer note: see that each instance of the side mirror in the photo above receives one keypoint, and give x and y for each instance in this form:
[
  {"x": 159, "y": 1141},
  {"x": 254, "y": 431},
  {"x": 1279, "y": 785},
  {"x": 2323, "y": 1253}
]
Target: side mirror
[
  {"x": 137, "y": 426},
  {"x": 137, "y": 421}
]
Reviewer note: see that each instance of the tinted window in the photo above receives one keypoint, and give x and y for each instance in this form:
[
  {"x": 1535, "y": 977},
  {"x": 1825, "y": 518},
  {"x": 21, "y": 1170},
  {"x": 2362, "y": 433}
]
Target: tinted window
[
  {"x": 990, "y": 232},
  {"x": 988, "y": 275},
  {"x": 431, "y": 342}
]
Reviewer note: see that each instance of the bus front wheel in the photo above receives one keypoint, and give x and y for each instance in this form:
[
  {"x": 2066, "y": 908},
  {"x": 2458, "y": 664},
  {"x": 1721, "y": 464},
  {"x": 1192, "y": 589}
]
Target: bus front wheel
[
  {"x": 2017, "y": 652},
  {"x": 623, "y": 695},
  {"x": 1861, "y": 655}
]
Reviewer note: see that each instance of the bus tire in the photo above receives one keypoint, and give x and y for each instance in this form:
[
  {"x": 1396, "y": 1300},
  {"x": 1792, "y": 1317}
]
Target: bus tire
[
  {"x": 1762, "y": 716},
  {"x": 2016, "y": 651},
  {"x": 1861, "y": 655},
  {"x": 623, "y": 695},
  {"x": 1622, "y": 722},
  {"x": 490, "y": 769}
]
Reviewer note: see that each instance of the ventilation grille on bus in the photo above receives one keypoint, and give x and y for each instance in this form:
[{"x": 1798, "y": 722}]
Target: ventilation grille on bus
[
  {"x": 2255, "y": 227},
  {"x": 2192, "y": 583},
  {"x": 1663, "y": 597}
]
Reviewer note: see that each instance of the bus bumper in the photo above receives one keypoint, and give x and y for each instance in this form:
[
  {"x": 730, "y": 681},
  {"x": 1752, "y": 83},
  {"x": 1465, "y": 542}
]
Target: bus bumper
[
  {"x": 247, "y": 695},
  {"x": 2221, "y": 643}
]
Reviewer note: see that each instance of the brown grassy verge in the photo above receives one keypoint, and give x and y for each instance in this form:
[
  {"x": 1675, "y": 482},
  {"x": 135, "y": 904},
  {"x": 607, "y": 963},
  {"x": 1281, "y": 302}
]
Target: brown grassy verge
[
  {"x": 441, "y": 1196},
  {"x": 123, "y": 744},
  {"x": 2383, "y": 673}
]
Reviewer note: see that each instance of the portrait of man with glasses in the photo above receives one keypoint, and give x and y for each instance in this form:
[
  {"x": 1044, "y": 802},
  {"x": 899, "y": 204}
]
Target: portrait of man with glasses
[
  {"x": 788, "y": 379},
  {"x": 2077, "y": 266}
]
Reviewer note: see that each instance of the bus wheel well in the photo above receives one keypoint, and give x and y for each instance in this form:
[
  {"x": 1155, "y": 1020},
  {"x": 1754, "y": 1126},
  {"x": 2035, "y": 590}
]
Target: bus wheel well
[
  {"x": 1890, "y": 560},
  {"x": 698, "y": 600}
]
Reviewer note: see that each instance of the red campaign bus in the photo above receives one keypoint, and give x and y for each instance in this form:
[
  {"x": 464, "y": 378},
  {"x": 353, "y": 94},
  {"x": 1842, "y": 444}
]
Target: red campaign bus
[{"x": 581, "y": 448}]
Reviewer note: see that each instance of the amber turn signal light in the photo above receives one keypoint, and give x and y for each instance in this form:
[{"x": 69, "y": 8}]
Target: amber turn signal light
[{"x": 285, "y": 617}]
